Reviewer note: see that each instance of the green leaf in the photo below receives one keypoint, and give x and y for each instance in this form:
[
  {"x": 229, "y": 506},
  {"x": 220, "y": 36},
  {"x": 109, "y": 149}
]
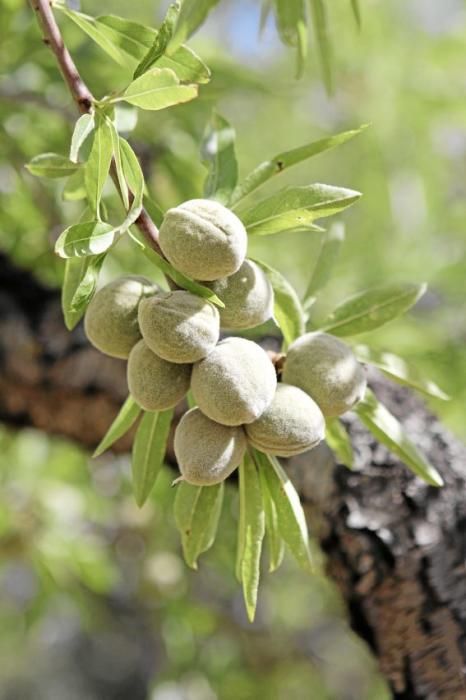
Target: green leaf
[
  {"x": 325, "y": 261},
  {"x": 161, "y": 41},
  {"x": 356, "y": 12},
  {"x": 387, "y": 429},
  {"x": 279, "y": 163},
  {"x": 116, "y": 148},
  {"x": 177, "y": 277},
  {"x": 136, "y": 39},
  {"x": 75, "y": 270},
  {"x": 288, "y": 311},
  {"x": 218, "y": 152},
  {"x": 132, "y": 173},
  {"x": 192, "y": 15},
  {"x": 87, "y": 238},
  {"x": 155, "y": 212},
  {"x": 197, "y": 512},
  {"x": 82, "y": 129},
  {"x": 98, "y": 165},
  {"x": 291, "y": 24},
  {"x": 51, "y": 165},
  {"x": 126, "y": 417},
  {"x": 338, "y": 440},
  {"x": 87, "y": 286},
  {"x": 157, "y": 89},
  {"x": 399, "y": 370},
  {"x": 291, "y": 519},
  {"x": 94, "y": 31},
  {"x": 319, "y": 18},
  {"x": 75, "y": 189},
  {"x": 149, "y": 451},
  {"x": 275, "y": 542},
  {"x": 296, "y": 207},
  {"x": 372, "y": 308},
  {"x": 251, "y": 532}
]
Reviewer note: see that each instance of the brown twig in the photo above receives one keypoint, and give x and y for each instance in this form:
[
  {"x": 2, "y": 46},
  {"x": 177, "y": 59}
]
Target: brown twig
[{"x": 83, "y": 98}]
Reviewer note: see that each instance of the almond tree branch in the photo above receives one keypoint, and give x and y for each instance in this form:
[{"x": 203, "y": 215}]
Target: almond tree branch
[{"x": 83, "y": 98}]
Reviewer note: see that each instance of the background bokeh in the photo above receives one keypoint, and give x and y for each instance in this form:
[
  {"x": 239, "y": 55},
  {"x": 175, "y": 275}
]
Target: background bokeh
[{"x": 95, "y": 601}]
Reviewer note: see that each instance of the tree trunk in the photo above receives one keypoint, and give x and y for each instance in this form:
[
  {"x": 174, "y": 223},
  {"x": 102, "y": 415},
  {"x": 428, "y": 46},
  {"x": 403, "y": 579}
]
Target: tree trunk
[{"x": 395, "y": 547}]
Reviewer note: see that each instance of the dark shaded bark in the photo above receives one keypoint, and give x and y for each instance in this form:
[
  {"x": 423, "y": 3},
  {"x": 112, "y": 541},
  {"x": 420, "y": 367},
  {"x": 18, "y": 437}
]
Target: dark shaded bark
[{"x": 395, "y": 546}]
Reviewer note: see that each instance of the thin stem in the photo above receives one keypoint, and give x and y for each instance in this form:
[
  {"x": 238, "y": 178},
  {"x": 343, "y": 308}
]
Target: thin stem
[{"x": 84, "y": 100}]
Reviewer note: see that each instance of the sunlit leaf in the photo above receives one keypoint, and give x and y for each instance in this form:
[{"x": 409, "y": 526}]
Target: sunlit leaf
[
  {"x": 83, "y": 128},
  {"x": 51, "y": 165},
  {"x": 291, "y": 519},
  {"x": 161, "y": 40},
  {"x": 296, "y": 207},
  {"x": 136, "y": 39},
  {"x": 372, "y": 308},
  {"x": 338, "y": 440},
  {"x": 98, "y": 165},
  {"x": 87, "y": 238},
  {"x": 399, "y": 370},
  {"x": 276, "y": 547},
  {"x": 325, "y": 261},
  {"x": 133, "y": 175},
  {"x": 251, "y": 532},
  {"x": 319, "y": 19},
  {"x": 157, "y": 89},
  {"x": 288, "y": 311},
  {"x": 87, "y": 286},
  {"x": 192, "y": 15},
  {"x": 388, "y": 430},
  {"x": 75, "y": 270},
  {"x": 116, "y": 148},
  {"x": 92, "y": 29},
  {"x": 218, "y": 152},
  {"x": 149, "y": 451},
  {"x": 197, "y": 512},
  {"x": 281, "y": 162},
  {"x": 75, "y": 189},
  {"x": 126, "y": 417}
]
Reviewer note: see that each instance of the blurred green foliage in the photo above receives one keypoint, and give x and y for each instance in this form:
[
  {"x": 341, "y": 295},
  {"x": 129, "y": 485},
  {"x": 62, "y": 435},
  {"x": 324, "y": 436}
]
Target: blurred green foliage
[{"x": 72, "y": 542}]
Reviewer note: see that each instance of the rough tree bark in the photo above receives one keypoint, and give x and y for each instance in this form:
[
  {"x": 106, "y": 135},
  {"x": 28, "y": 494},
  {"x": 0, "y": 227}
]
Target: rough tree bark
[{"x": 395, "y": 546}]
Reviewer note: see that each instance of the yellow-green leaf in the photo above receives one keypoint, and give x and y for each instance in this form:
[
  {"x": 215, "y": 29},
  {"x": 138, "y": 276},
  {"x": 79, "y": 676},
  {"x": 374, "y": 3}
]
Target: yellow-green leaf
[
  {"x": 197, "y": 512},
  {"x": 149, "y": 451},
  {"x": 157, "y": 89},
  {"x": 126, "y": 417}
]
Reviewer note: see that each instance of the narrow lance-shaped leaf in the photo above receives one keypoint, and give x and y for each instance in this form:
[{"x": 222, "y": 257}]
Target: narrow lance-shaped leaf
[
  {"x": 399, "y": 370},
  {"x": 192, "y": 15},
  {"x": 177, "y": 277},
  {"x": 291, "y": 518},
  {"x": 87, "y": 286},
  {"x": 325, "y": 261},
  {"x": 281, "y": 162},
  {"x": 197, "y": 512},
  {"x": 275, "y": 542},
  {"x": 296, "y": 207},
  {"x": 92, "y": 29},
  {"x": 161, "y": 40},
  {"x": 288, "y": 311},
  {"x": 135, "y": 40},
  {"x": 291, "y": 24},
  {"x": 387, "y": 429},
  {"x": 51, "y": 165},
  {"x": 372, "y": 308},
  {"x": 83, "y": 128},
  {"x": 218, "y": 152},
  {"x": 75, "y": 270},
  {"x": 149, "y": 451},
  {"x": 87, "y": 238},
  {"x": 157, "y": 89},
  {"x": 319, "y": 19},
  {"x": 132, "y": 173},
  {"x": 116, "y": 148},
  {"x": 339, "y": 441},
  {"x": 98, "y": 165},
  {"x": 250, "y": 533},
  {"x": 153, "y": 209},
  {"x": 126, "y": 417}
]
